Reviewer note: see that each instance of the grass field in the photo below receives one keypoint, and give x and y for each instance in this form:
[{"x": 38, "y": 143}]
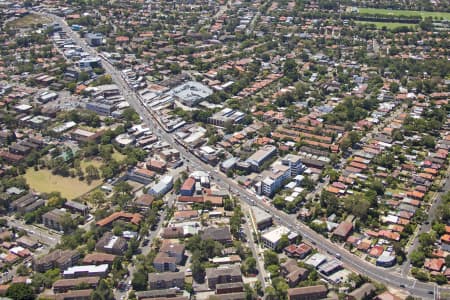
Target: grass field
[
  {"x": 95, "y": 163},
  {"x": 380, "y": 25},
  {"x": 423, "y": 14},
  {"x": 28, "y": 20},
  {"x": 118, "y": 156},
  {"x": 45, "y": 182}
]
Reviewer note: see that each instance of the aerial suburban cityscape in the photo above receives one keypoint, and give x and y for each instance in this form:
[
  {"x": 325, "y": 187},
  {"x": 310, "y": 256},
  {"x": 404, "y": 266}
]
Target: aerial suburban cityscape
[{"x": 224, "y": 149}]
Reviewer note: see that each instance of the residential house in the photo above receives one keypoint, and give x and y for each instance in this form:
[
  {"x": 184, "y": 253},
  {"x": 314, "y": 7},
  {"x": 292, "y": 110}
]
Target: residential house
[
  {"x": 64, "y": 285},
  {"x": 216, "y": 276},
  {"x": 343, "y": 230},
  {"x": 97, "y": 258},
  {"x": 445, "y": 242},
  {"x": 363, "y": 292},
  {"x": 72, "y": 295},
  {"x": 166, "y": 280},
  {"x": 55, "y": 219},
  {"x": 111, "y": 244},
  {"x": 218, "y": 234},
  {"x": 133, "y": 218},
  {"x": 86, "y": 271},
  {"x": 298, "y": 251},
  {"x": 229, "y": 288},
  {"x": 61, "y": 259},
  {"x": 308, "y": 293},
  {"x": 293, "y": 273}
]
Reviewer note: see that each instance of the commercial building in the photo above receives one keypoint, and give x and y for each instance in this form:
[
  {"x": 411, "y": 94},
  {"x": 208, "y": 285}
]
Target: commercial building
[
  {"x": 229, "y": 164},
  {"x": 294, "y": 162},
  {"x": 76, "y": 207},
  {"x": 271, "y": 238},
  {"x": 191, "y": 93},
  {"x": 94, "y": 39},
  {"x": 257, "y": 159},
  {"x": 330, "y": 267},
  {"x": 188, "y": 187},
  {"x": 27, "y": 203},
  {"x": 316, "y": 260},
  {"x": 164, "y": 185},
  {"x": 101, "y": 107},
  {"x": 140, "y": 175},
  {"x": 274, "y": 179},
  {"x": 226, "y": 116},
  {"x": 90, "y": 63},
  {"x": 157, "y": 166},
  {"x": 262, "y": 219},
  {"x": 386, "y": 259}
]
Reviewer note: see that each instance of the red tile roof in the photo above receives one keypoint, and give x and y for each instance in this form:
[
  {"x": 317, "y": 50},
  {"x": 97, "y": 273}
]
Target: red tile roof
[
  {"x": 188, "y": 184},
  {"x": 434, "y": 264},
  {"x": 130, "y": 217}
]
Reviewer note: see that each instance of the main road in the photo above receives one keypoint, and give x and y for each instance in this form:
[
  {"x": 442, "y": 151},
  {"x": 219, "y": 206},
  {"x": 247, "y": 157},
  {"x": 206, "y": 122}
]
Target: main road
[{"x": 353, "y": 262}]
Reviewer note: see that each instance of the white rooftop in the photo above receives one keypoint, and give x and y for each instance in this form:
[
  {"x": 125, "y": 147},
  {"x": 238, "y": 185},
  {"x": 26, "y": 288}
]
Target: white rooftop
[
  {"x": 87, "y": 269},
  {"x": 274, "y": 235}
]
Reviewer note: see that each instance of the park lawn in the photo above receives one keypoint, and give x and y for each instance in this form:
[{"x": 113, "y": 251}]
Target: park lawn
[
  {"x": 28, "y": 21},
  {"x": 423, "y": 14},
  {"x": 380, "y": 25},
  {"x": 119, "y": 157},
  {"x": 96, "y": 163},
  {"x": 44, "y": 181}
]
